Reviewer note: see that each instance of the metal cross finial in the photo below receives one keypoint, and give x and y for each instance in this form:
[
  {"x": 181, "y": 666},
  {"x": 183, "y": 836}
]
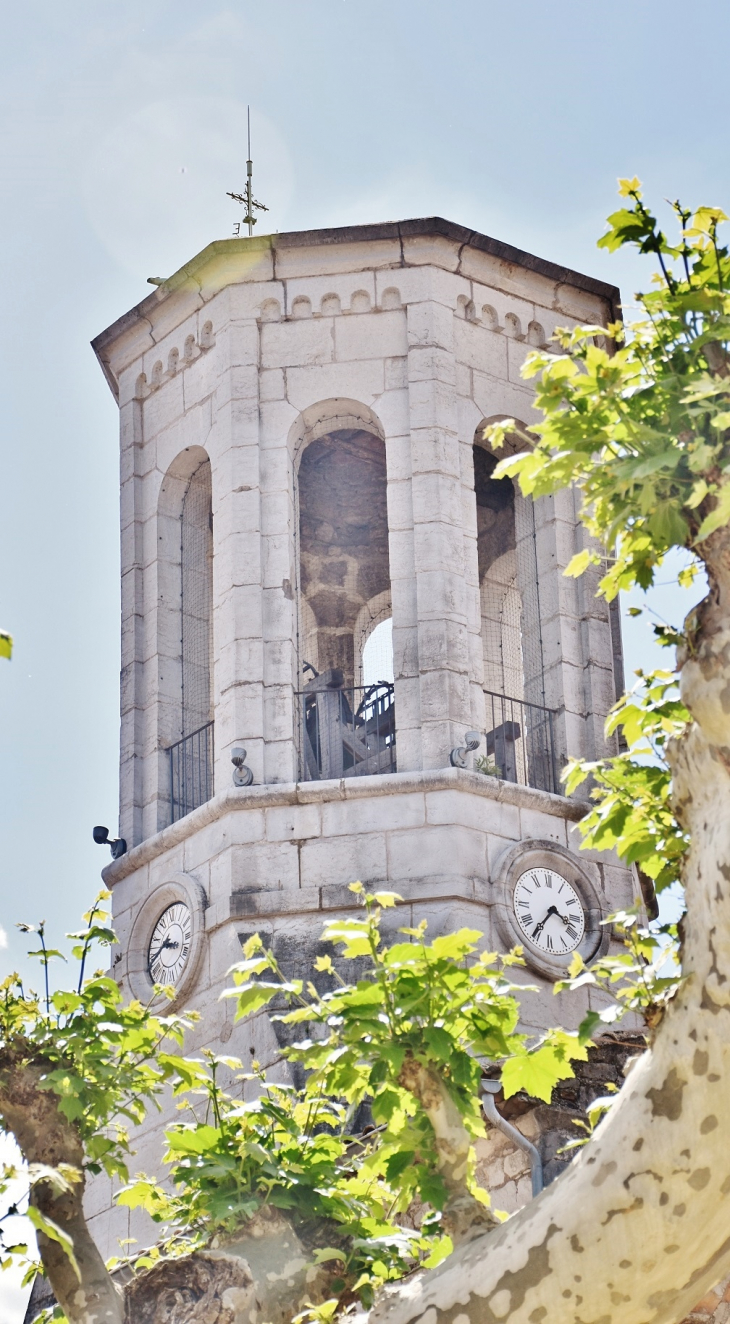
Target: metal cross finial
[{"x": 247, "y": 199}]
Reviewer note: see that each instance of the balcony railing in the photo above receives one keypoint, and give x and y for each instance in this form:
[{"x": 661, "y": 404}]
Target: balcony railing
[
  {"x": 520, "y": 743},
  {"x": 345, "y": 731},
  {"x": 191, "y": 771}
]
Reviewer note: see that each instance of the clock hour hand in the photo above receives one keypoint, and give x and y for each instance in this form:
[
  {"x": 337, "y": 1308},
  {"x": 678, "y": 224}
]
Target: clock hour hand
[
  {"x": 166, "y": 944},
  {"x": 553, "y": 910}
]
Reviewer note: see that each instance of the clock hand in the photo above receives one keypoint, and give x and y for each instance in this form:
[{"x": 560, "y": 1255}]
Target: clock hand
[
  {"x": 166, "y": 943},
  {"x": 553, "y": 910}
]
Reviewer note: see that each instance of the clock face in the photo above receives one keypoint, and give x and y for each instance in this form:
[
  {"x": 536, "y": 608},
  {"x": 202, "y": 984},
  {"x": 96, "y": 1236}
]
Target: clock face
[
  {"x": 549, "y": 911},
  {"x": 170, "y": 944}
]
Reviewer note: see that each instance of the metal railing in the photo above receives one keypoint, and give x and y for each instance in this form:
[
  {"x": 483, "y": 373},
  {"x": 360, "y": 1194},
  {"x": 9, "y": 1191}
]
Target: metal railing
[
  {"x": 191, "y": 771},
  {"x": 345, "y": 731},
  {"x": 520, "y": 743}
]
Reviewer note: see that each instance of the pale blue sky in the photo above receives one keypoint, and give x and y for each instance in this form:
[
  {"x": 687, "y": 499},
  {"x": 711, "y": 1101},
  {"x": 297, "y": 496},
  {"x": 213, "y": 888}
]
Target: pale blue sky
[{"x": 122, "y": 127}]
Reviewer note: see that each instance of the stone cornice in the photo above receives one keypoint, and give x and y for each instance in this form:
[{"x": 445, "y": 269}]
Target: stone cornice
[
  {"x": 188, "y": 279},
  {"x": 350, "y": 788}
]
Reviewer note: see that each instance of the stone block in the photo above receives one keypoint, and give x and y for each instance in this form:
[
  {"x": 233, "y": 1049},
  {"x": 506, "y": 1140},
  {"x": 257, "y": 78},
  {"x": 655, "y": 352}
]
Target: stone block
[
  {"x": 271, "y": 384},
  {"x": 265, "y": 867},
  {"x": 293, "y": 822},
  {"x": 423, "y": 250},
  {"x": 400, "y": 507},
  {"x": 335, "y": 259},
  {"x": 436, "y": 545},
  {"x": 363, "y": 381},
  {"x": 295, "y": 344},
  {"x": 398, "y": 455},
  {"x": 279, "y": 713},
  {"x": 376, "y": 814},
  {"x": 374, "y": 335},
  {"x": 442, "y": 851},
  {"x": 432, "y": 405},
  {"x": 475, "y": 347},
  {"x": 542, "y": 827},
  {"x": 441, "y": 594},
  {"x": 396, "y": 373},
  {"x": 275, "y": 420},
  {"x": 496, "y": 398},
  {"x": 474, "y": 811},
  {"x": 342, "y": 860},
  {"x": 436, "y": 496}
]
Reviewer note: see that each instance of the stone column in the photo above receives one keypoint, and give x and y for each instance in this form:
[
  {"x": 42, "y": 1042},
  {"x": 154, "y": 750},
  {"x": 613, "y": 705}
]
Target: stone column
[
  {"x": 445, "y": 613},
  {"x": 237, "y": 558},
  {"x": 132, "y": 716}
]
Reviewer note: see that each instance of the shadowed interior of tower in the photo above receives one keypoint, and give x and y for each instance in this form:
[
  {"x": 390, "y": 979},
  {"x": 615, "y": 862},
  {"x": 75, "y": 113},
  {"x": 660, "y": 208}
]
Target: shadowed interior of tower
[{"x": 343, "y": 549}]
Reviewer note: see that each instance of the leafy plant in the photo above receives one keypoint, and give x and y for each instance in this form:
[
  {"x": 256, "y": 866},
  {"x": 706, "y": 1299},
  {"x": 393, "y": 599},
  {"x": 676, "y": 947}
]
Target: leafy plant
[
  {"x": 78, "y": 1068},
  {"x": 639, "y": 419},
  {"x": 386, "y": 1120}
]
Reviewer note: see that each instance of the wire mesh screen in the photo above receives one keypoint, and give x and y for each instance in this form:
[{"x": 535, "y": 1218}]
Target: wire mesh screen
[
  {"x": 191, "y": 771},
  {"x": 520, "y": 743},
  {"x": 196, "y": 554}
]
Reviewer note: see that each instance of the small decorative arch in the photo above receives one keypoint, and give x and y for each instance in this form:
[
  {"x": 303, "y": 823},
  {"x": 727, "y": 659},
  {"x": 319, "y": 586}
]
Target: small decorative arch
[
  {"x": 301, "y": 307},
  {"x": 512, "y": 326},
  {"x": 207, "y": 339},
  {"x": 536, "y": 335},
  {"x": 270, "y": 311},
  {"x": 172, "y": 362},
  {"x": 360, "y": 302},
  {"x": 141, "y": 389},
  {"x": 157, "y": 373},
  {"x": 189, "y": 349},
  {"x": 330, "y": 305},
  {"x": 391, "y": 298},
  {"x": 490, "y": 318}
]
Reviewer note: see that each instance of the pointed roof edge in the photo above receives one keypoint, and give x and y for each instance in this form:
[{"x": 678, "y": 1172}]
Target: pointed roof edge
[{"x": 384, "y": 230}]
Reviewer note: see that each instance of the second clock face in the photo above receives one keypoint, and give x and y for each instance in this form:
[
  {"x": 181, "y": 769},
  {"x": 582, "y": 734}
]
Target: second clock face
[
  {"x": 549, "y": 911},
  {"x": 170, "y": 944}
]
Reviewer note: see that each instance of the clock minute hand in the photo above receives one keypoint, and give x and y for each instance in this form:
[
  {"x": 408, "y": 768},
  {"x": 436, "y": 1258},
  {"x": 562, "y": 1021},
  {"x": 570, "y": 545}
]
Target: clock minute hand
[{"x": 166, "y": 943}]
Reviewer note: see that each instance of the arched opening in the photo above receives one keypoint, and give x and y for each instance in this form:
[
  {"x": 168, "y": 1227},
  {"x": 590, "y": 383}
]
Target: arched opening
[
  {"x": 498, "y": 588},
  {"x": 344, "y": 587},
  {"x": 185, "y": 641},
  {"x": 519, "y": 731},
  {"x": 196, "y": 595}
]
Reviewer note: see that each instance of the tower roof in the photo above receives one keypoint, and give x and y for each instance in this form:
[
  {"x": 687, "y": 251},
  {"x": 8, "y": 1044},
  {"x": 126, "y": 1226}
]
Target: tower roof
[{"x": 390, "y": 244}]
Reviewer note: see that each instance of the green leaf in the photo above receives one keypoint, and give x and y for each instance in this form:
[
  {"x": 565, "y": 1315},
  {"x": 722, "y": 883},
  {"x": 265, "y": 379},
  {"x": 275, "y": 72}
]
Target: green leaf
[
  {"x": 538, "y": 1072},
  {"x": 49, "y": 1229},
  {"x": 6, "y": 644},
  {"x": 440, "y": 1042}
]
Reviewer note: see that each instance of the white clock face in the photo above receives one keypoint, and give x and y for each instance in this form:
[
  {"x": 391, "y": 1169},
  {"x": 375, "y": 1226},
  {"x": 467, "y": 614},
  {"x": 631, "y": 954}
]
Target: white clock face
[
  {"x": 549, "y": 911},
  {"x": 170, "y": 944}
]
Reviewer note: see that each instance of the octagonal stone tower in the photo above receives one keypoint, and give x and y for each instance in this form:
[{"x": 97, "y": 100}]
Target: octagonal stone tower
[{"x": 302, "y": 464}]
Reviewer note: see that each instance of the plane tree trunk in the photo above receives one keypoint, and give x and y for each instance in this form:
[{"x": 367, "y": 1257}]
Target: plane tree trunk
[{"x": 637, "y": 1229}]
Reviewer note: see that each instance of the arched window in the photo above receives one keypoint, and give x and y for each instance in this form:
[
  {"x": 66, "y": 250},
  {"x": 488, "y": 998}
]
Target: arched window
[
  {"x": 196, "y": 594},
  {"x": 347, "y": 722},
  {"x": 498, "y": 585}
]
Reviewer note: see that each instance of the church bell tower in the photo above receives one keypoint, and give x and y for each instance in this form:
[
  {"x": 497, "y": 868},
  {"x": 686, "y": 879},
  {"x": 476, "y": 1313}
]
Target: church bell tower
[{"x": 348, "y": 651}]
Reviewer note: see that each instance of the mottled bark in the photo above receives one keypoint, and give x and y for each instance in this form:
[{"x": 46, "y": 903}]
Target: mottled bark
[
  {"x": 45, "y": 1136},
  {"x": 463, "y": 1215},
  {"x": 637, "y": 1229}
]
